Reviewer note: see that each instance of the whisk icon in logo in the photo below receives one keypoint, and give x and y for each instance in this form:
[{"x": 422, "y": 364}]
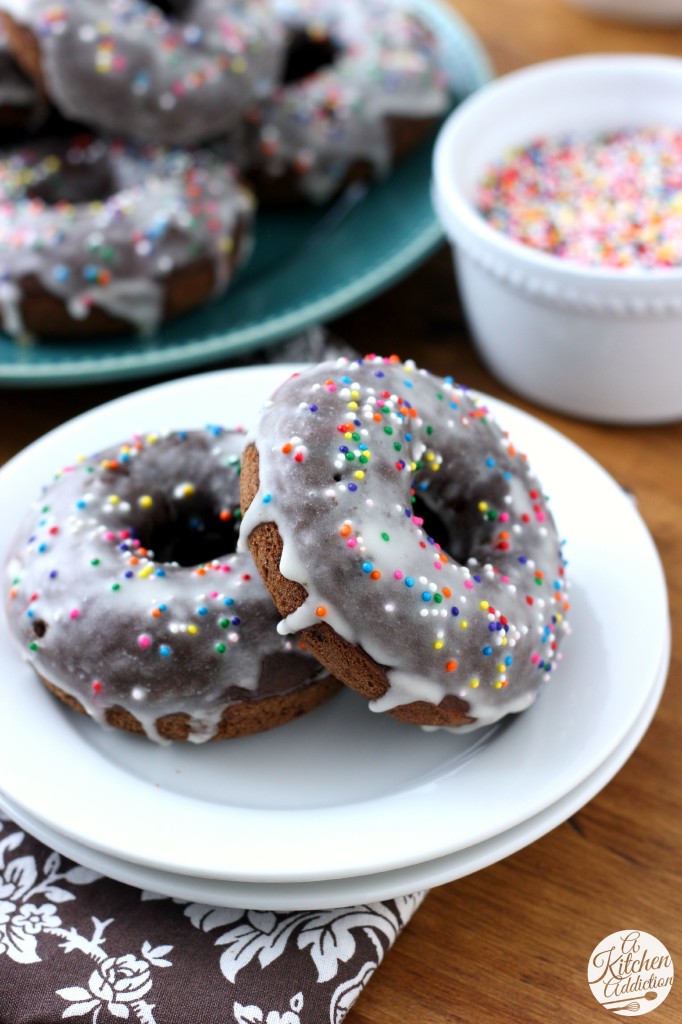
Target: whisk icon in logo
[{"x": 630, "y": 973}]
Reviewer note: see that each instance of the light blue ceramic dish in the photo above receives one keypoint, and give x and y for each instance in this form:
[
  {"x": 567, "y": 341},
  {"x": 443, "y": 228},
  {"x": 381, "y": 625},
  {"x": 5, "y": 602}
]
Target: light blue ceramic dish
[{"x": 307, "y": 266}]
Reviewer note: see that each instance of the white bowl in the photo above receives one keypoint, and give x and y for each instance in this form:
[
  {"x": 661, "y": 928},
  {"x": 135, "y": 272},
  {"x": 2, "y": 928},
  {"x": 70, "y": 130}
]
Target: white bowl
[
  {"x": 652, "y": 12},
  {"x": 599, "y": 343}
]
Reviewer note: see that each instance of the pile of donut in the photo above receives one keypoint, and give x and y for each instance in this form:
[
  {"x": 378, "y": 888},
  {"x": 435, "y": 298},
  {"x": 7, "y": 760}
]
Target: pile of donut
[
  {"x": 125, "y": 204},
  {"x": 387, "y": 519}
]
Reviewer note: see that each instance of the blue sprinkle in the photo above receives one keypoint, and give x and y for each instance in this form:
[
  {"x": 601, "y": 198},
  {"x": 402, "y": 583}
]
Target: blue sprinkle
[
  {"x": 128, "y": 574},
  {"x": 163, "y": 607},
  {"x": 362, "y": 447},
  {"x": 182, "y": 434},
  {"x": 267, "y": 498},
  {"x": 42, "y": 547},
  {"x": 236, "y": 621},
  {"x": 313, "y": 408},
  {"x": 454, "y": 611},
  {"x": 30, "y": 613},
  {"x": 343, "y": 448},
  {"x": 507, "y": 475},
  {"x": 81, "y": 503},
  {"x": 492, "y": 626},
  {"x": 487, "y": 650},
  {"x": 508, "y": 660},
  {"x": 423, "y": 486},
  {"x": 522, "y": 559},
  {"x": 228, "y": 601},
  {"x": 426, "y": 595},
  {"x": 202, "y": 610},
  {"x": 61, "y": 273},
  {"x": 409, "y": 582},
  {"x": 53, "y": 574},
  {"x": 430, "y": 540},
  {"x": 490, "y": 462},
  {"x": 164, "y": 650},
  {"x": 367, "y": 566},
  {"x": 357, "y": 423},
  {"x": 352, "y": 487},
  {"x": 408, "y": 384},
  {"x": 346, "y": 380},
  {"x": 379, "y": 373},
  {"x": 160, "y": 572},
  {"x": 477, "y": 578},
  {"x": 454, "y": 405},
  {"x": 408, "y": 437},
  {"x": 408, "y": 513}
]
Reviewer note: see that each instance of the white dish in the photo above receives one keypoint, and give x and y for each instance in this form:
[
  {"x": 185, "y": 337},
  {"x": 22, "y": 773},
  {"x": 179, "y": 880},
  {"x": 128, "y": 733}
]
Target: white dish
[
  {"x": 651, "y": 12},
  {"x": 359, "y": 888},
  {"x": 566, "y": 336},
  {"x": 248, "y": 810}
]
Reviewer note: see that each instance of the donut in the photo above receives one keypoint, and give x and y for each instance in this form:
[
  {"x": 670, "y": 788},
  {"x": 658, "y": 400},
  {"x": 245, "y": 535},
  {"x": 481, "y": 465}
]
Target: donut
[
  {"x": 174, "y": 73},
  {"x": 20, "y": 105},
  {"x": 106, "y": 238},
  {"x": 129, "y": 602},
  {"x": 405, "y": 540},
  {"x": 362, "y": 86}
]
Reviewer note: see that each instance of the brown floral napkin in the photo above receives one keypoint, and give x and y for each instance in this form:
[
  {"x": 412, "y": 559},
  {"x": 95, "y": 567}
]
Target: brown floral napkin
[{"x": 74, "y": 944}]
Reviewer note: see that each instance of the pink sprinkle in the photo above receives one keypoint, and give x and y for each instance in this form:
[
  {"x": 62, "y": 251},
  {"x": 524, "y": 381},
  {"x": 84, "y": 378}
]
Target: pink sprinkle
[
  {"x": 468, "y": 584},
  {"x": 331, "y": 387},
  {"x": 226, "y": 568},
  {"x": 144, "y": 640},
  {"x": 505, "y": 579},
  {"x": 214, "y": 593},
  {"x": 504, "y": 517},
  {"x": 398, "y": 575},
  {"x": 74, "y": 613},
  {"x": 535, "y": 659},
  {"x": 352, "y": 542},
  {"x": 438, "y": 565},
  {"x": 109, "y": 535},
  {"x": 123, "y": 534},
  {"x": 540, "y": 516}
]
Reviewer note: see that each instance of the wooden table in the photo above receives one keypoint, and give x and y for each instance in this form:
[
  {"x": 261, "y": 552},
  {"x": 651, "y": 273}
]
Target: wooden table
[{"x": 511, "y": 943}]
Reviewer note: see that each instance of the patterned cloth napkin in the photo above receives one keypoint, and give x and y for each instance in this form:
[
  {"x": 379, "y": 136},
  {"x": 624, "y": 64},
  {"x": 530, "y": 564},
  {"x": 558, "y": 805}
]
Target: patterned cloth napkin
[{"x": 74, "y": 944}]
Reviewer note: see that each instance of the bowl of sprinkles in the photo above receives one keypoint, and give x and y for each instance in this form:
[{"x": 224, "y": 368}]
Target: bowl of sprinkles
[{"x": 560, "y": 189}]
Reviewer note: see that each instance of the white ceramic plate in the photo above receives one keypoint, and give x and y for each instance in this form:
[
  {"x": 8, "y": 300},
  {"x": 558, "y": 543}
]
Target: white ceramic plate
[
  {"x": 358, "y": 889},
  {"x": 340, "y": 792}
]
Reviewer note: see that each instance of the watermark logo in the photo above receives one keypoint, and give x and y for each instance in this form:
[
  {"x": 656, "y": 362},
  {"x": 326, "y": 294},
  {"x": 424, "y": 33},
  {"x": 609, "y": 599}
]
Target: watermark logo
[{"x": 630, "y": 973}]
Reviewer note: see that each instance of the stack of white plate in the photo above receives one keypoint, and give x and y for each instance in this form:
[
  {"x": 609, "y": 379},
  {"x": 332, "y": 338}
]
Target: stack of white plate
[{"x": 341, "y": 806}]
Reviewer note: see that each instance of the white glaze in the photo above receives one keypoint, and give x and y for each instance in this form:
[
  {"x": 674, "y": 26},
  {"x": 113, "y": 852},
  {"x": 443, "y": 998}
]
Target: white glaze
[{"x": 413, "y": 631}]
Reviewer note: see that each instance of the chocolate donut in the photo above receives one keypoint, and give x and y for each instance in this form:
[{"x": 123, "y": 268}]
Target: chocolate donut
[
  {"x": 105, "y": 238},
  {"x": 362, "y": 86},
  {"x": 128, "y": 606},
  {"x": 405, "y": 540},
  {"x": 175, "y": 73}
]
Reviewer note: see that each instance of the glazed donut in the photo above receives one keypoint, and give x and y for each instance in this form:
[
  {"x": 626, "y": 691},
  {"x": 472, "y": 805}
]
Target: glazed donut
[
  {"x": 105, "y": 238},
  {"x": 174, "y": 73},
  {"x": 362, "y": 86},
  {"x": 360, "y": 477},
  {"x": 125, "y": 603}
]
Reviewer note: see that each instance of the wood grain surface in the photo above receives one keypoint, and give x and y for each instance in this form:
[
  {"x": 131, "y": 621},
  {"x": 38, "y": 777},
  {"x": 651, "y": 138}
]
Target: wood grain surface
[{"x": 510, "y": 944}]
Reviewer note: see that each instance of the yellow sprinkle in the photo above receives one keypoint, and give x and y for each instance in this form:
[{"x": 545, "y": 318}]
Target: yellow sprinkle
[
  {"x": 483, "y": 506},
  {"x": 559, "y": 617},
  {"x": 113, "y": 499},
  {"x": 429, "y": 456},
  {"x": 504, "y": 641},
  {"x": 464, "y": 624},
  {"x": 145, "y": 501},
  {"x": 359, "y": 474},
  {"x": 438, "y": 644},
  {"x": 80, "y": 458},
  {"x": 413, "y": 466},
  {"x": 500, "y": 668},
  {"x": 355, "y": 394},
  {"x": 484, "y": 605},
  {"x": 192, "y": 629},
  {"x": 348, "y": 435},
  {"x": 147, "y": 571},
  {"x": 238, "y": 65},
  {"x": 188, "y": 490},
  {"x": 152, "y": 438},
  {"x": 352, "y": 405},
  {"x": 499, "y": 684},
  {"x": 474, "y": 683},
  {"x": 226, "y": 244}
]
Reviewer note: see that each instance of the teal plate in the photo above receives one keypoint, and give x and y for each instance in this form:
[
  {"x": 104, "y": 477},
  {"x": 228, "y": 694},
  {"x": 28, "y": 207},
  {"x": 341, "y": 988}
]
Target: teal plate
[{"x": 307, "y": 265}]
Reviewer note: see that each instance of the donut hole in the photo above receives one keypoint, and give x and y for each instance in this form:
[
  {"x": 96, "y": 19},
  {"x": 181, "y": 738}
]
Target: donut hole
[
  {"x": 191, "y": 536},
  {"x": 39, "y": 628},
  {"x": 78, "y": 171},
  {"x": 175, "y": 8},
  {"x": 308, "y": 54},
  {"x": 441, "y": 525}
]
